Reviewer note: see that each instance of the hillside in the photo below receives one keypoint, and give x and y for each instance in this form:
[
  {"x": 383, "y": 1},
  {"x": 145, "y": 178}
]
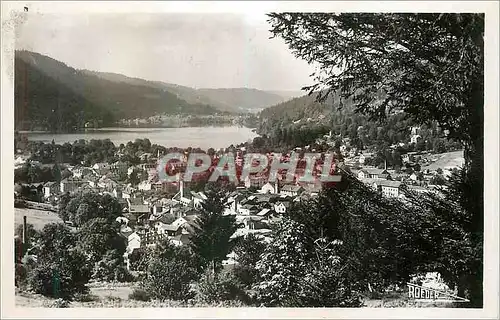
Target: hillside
[
  {"x": 49, "y": 95},
  {"x": 301, "y": 120},
  {"x": 187, "y": 94},
  {"x": 243, "y": 99},
  {"x": 233, "y": 100}
]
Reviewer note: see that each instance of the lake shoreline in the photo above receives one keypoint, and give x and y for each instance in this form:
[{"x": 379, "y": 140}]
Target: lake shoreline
[
  {"x": 203, "y": 137},
  {"x": 127, "y": 127}
]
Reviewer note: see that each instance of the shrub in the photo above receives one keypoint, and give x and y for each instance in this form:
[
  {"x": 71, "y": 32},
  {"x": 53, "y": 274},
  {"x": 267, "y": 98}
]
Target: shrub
[
  {"x": 20, "y": 275},
  {"x": 170, "y": 279},
  {"x": 111, "y": 268},
  {"x": 140, "y": 295},
  {"x": 223, "y": 287},
  {"x": 61, "y": 278},
  {"x": 123, "y": 275},
  {"x": 19, "y": 203}
]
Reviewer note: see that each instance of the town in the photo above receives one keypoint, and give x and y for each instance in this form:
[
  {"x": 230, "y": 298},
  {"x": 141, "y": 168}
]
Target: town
[{"x": 154, "y": 209}]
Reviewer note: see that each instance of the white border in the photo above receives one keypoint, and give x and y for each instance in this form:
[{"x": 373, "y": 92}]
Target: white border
[{"x": 491, "y": 261}]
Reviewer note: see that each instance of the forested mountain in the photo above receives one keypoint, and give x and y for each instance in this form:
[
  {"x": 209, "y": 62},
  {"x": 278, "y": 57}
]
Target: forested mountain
[
  {"x": 50, "y": 95},
  {"x": 234, "y": 100},
  {"x": 289, "y": 94},
  {"x": 301, "y": 120},
  {"x": 243, "y": 99},
  {"x": 188, "y": 94}
]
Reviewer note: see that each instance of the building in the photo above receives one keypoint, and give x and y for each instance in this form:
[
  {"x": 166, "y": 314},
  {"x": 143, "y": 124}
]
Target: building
[
  {"x": 119, "y": 168},
  {"x": 70, "y": 184},
  {"x": 281, "y": 207},
  {"x": 255, "y": 181},
  {"x": 291, "y": 190},
  {"x": 50, "y": 188},
  {"x": 389, "y": 188},
  {"x": 101, "y": 168},
  {"x": 80, "y": 171},
  {"x": 269, "y": 188},
  {"x": 373, "y": 173}
]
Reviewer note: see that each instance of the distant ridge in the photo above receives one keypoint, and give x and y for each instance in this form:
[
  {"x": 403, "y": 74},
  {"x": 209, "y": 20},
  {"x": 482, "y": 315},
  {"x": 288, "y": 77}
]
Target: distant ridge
[{"x": 49, "y": 95}]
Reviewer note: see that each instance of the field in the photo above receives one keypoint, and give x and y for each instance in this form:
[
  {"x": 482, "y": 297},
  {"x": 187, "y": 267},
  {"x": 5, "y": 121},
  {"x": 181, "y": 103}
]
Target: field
[
  {"x": 443, "y": 160},
  {"x": 38, "y": 218}
]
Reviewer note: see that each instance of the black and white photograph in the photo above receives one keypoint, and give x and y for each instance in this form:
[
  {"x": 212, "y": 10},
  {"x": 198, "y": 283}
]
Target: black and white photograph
[{"x": 333, "y": 158}]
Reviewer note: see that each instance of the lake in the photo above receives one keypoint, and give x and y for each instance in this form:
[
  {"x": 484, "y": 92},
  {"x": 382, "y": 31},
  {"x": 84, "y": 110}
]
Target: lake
[{"x": 202, "y": 137}]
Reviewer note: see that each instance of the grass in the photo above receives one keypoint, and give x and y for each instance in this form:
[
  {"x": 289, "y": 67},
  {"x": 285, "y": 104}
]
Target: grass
[
  {"x": 454, "y": 158},
  {"x": 116, "y": 295},
  {"x": 38, "y": 218},
  {"x": 109, "y": 296}
]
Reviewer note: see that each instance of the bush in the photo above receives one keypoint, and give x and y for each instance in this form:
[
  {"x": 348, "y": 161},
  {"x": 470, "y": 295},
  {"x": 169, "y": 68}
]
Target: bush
[
  {"x": 111, "y": 268},
  {"x": 21, "y": 276},
  {"x": 140, "y": 295},
  {"x": 170, "y": 279},
  {"x": 223, "y": 287},
  {"x": 61, "y": 278},
  {"x": 18, "y": 203}
]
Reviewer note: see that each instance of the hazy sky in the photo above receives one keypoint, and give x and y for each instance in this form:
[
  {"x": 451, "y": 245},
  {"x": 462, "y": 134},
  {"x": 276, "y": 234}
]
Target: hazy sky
[{"x": 199, "y": 50}]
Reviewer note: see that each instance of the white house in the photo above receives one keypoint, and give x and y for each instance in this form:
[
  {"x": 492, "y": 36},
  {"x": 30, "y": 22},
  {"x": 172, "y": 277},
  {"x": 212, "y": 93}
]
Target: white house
[
  {"x": 389, "y": 188},
  {"x": 145, "y": 185},
  {"x": 280, "y": 207},
  {"x": 133, "y": 242},
  {"x": 269, "y": 188},
  {"x": 291, "y": 190}
]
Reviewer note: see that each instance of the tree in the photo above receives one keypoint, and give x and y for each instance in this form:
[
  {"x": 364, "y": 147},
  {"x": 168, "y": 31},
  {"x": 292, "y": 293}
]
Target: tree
[
  {"x": 211, "y": 241},
  {"x": 97, "y": 236},
  {"x": 62, "y": 269},
  {"x": 133, "y": 178},
  {"x": 430, "y": 65},
  {"x": 249, "y": 250},
  {"x": 170, "y": 272}
]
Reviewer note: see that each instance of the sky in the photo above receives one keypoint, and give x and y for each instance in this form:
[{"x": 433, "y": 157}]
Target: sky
[{"x": 201, "y": 50}]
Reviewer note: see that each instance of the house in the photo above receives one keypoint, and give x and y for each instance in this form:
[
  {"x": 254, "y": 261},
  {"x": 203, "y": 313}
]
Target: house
[
  {"x": 291, "y": 190},
  {"x": 70, "y": 184},
  {"x": 145, "y": 185},
  {"x": 198, "y": 198},
  {"x": 133, "y": 242},
  {"x": 50, "y": 188},
  {"x": 389, "y": 188},
  {"x": 168, "y": 229},
  {"x": 81, "y": 171},
  {"x": 255, "y": 181},
  {"x": 101, "y": 168},
  {"x": 137, "y": 207},
  {"x": 119, "y": 167},
  {"x": 373, "y": 173},
  {"x": 281, "y": 207},
  {"x": 269, "y": 188}
]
